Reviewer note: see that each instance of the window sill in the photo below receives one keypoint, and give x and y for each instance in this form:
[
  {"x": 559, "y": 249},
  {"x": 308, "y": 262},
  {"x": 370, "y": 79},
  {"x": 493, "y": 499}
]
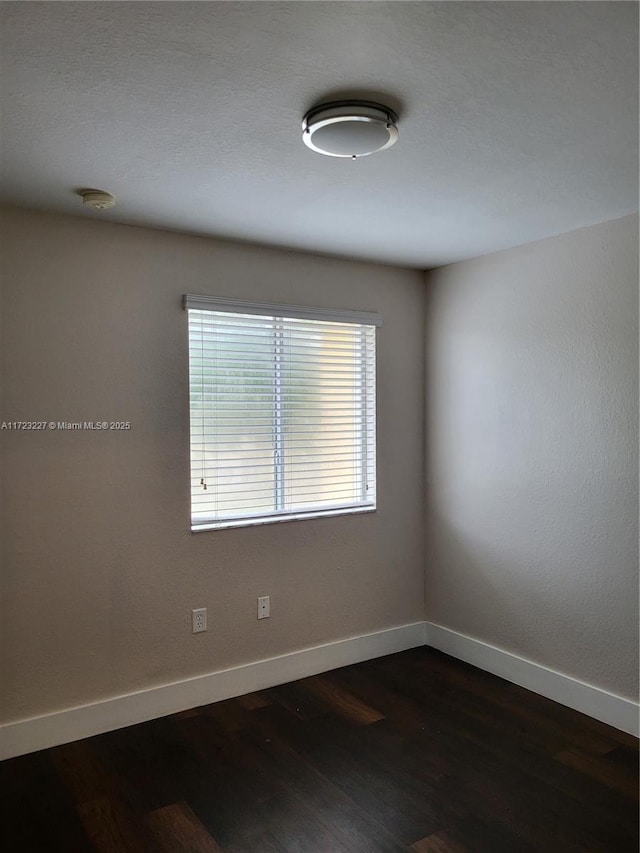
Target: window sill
[{"x": 278, "y": 519}]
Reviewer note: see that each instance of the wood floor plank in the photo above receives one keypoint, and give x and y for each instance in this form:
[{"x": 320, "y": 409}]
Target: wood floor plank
[
  {"x": 175, "y": 827},
  {"x": 253, "y": 701},
  {"x": 81, "y": 770},
  {"x": 343, "y": 753},
  {"x": 112, "y": 827},
  {"x": 37, "y": 812},
  {"x": 265, "y": 844},
  {"x": 358, "y": 831},
  {"x": 624, "y": 758},
  {"x": 407, "y": 715},
  {"x": 221, "y": 794},
  {"x": 342, "y": 701},
  {"x": 136, "y": 765},
  {"x": 298, "y": 700},
  {"x": 231, "y": 715},
  {"x": 603, "y": 771},
  {"x": 440, "y": 842},
  {"x": 292, "y": 819}
]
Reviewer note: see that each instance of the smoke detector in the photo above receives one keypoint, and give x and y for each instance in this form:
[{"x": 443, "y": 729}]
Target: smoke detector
[
  {"x": 350, "y": 129},
  {"x": 97, "y": 199}
]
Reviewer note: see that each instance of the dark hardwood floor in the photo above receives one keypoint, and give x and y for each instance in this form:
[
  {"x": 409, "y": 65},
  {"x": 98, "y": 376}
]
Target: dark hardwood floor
[{"x": 412, "y": 752}]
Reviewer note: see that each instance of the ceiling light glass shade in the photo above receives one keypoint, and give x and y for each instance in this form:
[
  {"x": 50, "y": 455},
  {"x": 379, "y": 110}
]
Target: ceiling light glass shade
[{"x": 349, "y": 128}]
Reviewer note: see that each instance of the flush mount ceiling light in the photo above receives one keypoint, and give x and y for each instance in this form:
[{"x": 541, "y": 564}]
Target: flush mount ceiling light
[{"x": 349, "y": 128}]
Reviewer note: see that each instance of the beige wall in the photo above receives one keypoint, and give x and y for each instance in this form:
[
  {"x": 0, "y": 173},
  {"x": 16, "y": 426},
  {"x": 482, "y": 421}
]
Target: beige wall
[
  {"x": 100, "y": 570},
  {"x": 531, "y": 466},
  {"x": 532, "y": 436}
]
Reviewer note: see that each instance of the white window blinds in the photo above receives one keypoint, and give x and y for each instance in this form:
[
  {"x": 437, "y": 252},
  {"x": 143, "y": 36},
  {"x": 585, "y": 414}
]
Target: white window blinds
[{"x": 282, "y": 413}]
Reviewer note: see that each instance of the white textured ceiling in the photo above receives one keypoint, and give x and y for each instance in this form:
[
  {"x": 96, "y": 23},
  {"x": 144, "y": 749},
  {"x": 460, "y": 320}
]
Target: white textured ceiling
[{"x": 517, "y": 120}]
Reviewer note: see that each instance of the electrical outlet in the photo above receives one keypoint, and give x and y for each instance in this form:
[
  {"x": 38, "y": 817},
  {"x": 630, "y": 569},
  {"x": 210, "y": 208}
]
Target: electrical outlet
[
  {"x": 199, "y": 620},
  {"x": 264, "y": 607}
]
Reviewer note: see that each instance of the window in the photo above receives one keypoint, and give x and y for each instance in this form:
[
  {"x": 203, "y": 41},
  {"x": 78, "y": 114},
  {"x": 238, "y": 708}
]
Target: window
[{"x": 282, "y": 407}]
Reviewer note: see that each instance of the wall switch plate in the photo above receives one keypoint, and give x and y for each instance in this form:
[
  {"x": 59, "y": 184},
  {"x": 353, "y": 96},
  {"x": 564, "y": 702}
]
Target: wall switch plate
[
  {"x": 199, "y": 620},
  {"x": 264, "y": 607}
]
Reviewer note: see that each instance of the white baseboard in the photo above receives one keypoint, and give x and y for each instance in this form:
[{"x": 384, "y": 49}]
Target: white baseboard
[
  {"x": 621, "y": 713},
  {"x": 76, "y": 723},
  {"x": 72, "y": 724}
]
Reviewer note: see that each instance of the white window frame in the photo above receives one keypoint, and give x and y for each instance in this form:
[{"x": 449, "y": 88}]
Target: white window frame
[{"x": 278, "y": 311}]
